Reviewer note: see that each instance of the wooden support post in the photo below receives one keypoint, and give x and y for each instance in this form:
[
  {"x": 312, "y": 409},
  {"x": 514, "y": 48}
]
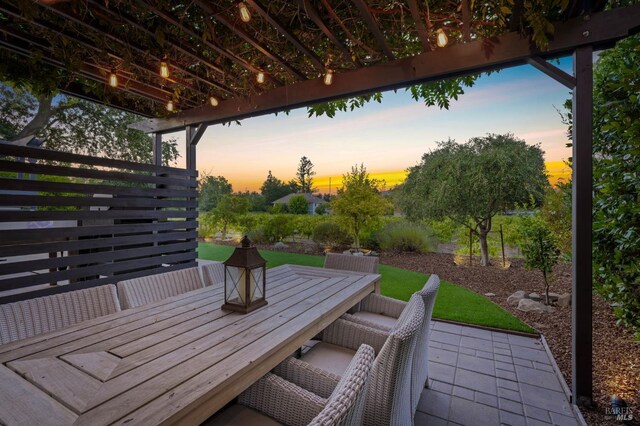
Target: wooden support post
[
  {"x": 157, "y": 149},
  {"x": 582, "y": 339},
  {"x": 190, "y": 148},
  {"x": 470, "y": 247}
]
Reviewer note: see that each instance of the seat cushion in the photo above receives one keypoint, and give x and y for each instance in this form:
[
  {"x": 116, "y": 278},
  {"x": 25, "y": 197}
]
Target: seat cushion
[
  {"x": 388, "y": 322},
  {"x": 332, "y": 358},
  {"x": 239, "y": 415}
]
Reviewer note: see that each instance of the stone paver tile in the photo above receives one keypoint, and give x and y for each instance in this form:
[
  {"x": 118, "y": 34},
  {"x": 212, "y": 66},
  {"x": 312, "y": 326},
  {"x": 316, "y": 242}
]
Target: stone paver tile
[
  {"x": 444, "y": 326},
  {"x": 485, "y": 399},
  {"x": 561, "y": 420},
  {"x": 508, "y": 384},
  {"x": 442, "y": 372},
  {"x": 479, "y": 365},
  {"x": 468, "y": 351},
  {"x": 544, "y": 367},
  {"x": 508, "y": 375},
  {"x": 500, "y": 337},
  {"x": 536, "y": 413},
  {"x": 475, "y": 343},
  {"x": 424, "y": 419},
  {"x": 511, "y": 406},
  {"x": 523, "y": 362},
  {"x": 434, "y": 403},
  {"x": 528, "y": 342},
  {"x": 468, "y": 412},
  {"x": 439, "y": 386},
  {"x": 503, "y": 358},
  {"x": 505, "y": 366},
  {"x": 501, "y": 345},
  {"x": 443, "y": 356},
  {"x": 540, "y": 378},
  {"x": 536, "y": 422},
  {"x": 510, "y": 419},
  {"x": 500, "y": 351},
  {"x": 530, "y": 354},
  {"x": 463, "y": 393},
  {"x": 546, "y": 399},
  {"x": 433, "y": 344},
  {"x": 476, "y": 332},
  {"x": 509, "y": 394},
  {"x": 448, "y": 338},
  {"x": 483, "y": 354},
  {"x": 476, "y": 381}
]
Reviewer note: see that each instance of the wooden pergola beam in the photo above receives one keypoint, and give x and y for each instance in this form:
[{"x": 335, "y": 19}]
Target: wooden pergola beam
[
  {"x": 554, "y": 72},
  {"x": 313, "y": 14},
  {"x": 363, "y": 8},
  {"x": 422, "y": 30},
  {"x": 317, "y": 62},
  {"x": 466, "y": 21},
  {"x": 207, "y": 8},
  {"x": 601, "y": 30}
]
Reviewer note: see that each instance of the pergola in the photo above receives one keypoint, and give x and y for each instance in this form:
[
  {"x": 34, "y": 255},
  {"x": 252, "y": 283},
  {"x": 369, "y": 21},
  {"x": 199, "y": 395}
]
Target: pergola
[{"x": 112, "y": 52}]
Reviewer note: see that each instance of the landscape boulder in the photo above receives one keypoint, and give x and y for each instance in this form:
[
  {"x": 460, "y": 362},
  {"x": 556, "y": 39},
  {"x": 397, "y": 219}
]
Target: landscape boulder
[
  {"x": 535, "y": 296},
  {"x": 528, "y": 305},
  {"x": 564, "y": 300},
  {"x": 516, "y": 297},
  {"x": 280, "y": 245}
]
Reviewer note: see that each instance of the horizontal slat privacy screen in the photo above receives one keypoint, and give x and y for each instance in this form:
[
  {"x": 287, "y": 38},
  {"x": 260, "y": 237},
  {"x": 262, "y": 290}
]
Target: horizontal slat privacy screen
[{"x": 71, "y": 221}]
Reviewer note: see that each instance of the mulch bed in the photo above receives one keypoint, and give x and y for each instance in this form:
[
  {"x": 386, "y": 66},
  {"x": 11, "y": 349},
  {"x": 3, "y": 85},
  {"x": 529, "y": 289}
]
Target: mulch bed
[{"x": 616, "y": 357}]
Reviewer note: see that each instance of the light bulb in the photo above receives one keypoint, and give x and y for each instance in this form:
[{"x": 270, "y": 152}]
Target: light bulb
[
  {"x": 260, "y": 77},
  {"x": 441, "y": 38},
  {"x": 328, "y": 77},
  {"x": 170, "y": 106},
  {"x": 213, "y": 101},
  {"x": 164, "y": 69},
  {"x": 245, "y": 15},
  {"x": 113, "y": 79}
]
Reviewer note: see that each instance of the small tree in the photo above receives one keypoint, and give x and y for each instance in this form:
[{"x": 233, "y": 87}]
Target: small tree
[
  {"x": 470, "y": 183},
  {"x": 273, "y": 188},
  {"x": 539, "y": 248},
  {"x": 229, "y": 210},
  {"x": 359, "y": 202},
  {"x": 210, "y": 190},
  {"x": 298, "y": 205},
  {"x": 304, "y": 175}
]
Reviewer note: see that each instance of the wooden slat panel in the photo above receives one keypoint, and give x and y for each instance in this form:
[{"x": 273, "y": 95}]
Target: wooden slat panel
[
  {"x": 78, "y": 188},
  {"x": 27, "y": 235},
  {"x": 70, "y": 386},
  {"x": 108, "y": 269},
  {"x": 98, "y": 364},
  {"x": 87, "y": 244},
  {"x": 9, "y": 216},
  {"x": 41, "y": 200},
  {"x": 44, "y": 169},
  {"x": 20, "y": 151},
  {"x": 101, "y": 257},
  {"x": 24, "y": 404}
]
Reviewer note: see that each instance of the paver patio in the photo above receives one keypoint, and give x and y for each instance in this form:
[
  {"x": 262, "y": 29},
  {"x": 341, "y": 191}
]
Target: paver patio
[{"x": 481, "y": 377}]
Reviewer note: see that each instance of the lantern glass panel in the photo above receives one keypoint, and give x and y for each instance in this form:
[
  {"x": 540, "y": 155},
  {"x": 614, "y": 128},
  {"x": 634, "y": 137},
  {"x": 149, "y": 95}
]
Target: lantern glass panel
[
  {"x": 236, "y": 278},
  {"x": 256, "y": 290}
]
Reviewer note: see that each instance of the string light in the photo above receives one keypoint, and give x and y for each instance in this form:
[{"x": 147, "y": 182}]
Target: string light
[
  {"x": 213, "y": 101},
  {"x": 260, "y": 77},
  {"x": 170, "y": 105},
  {"x": 113, "y": 78},
  {"x": 164, "y": 69},
  {"x": 328, "y": 77},
  {"x": 441, "y": 38},
  {"x": 245, "y": 15}
]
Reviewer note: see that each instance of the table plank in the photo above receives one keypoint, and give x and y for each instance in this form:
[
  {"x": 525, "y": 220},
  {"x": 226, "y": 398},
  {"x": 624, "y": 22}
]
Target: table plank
[
  {"x": 98, "y": 364},
  {"x": 24, "y": 404}
]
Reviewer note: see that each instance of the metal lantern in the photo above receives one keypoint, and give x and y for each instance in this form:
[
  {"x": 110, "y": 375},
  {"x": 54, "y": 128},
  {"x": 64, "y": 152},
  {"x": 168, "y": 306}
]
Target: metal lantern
[{"x": 244, "y": 279}]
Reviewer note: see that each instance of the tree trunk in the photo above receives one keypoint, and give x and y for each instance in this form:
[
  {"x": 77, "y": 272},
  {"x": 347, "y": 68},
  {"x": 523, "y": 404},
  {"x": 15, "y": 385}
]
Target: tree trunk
[
  {"x": 40, "y": 120},
  {"x": 546, "y": 287},
  {"x": 484, "y": 228}
]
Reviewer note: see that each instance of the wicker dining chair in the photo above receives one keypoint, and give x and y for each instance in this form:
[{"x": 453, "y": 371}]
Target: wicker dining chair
[
  {"x": 347, "y": 262},
  {"x": 381, "y": 312},
  {"x": 275, "y": 400},
  {"x": 389, "y": 396},
  {"x": 152, "y": 288},
  {"x": 28, "y": 318},
  {"x": 213, "y": 274}
]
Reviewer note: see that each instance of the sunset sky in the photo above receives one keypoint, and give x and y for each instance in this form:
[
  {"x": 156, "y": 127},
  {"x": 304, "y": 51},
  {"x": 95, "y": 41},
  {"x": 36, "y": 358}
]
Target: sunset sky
[{"x": 391, "y": 136}]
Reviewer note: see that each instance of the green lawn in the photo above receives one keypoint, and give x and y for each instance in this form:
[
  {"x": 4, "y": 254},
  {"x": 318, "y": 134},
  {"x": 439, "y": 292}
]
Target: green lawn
[{"x": 453, "y": 302}]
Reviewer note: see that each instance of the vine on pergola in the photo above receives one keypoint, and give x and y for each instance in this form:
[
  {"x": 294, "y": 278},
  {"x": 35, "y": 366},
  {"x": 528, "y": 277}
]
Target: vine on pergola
[{"x": 73, "y": 45}]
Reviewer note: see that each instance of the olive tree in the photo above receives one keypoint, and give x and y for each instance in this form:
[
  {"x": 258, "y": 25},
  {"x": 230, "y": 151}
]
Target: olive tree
[{"x": 472, "y": 182}]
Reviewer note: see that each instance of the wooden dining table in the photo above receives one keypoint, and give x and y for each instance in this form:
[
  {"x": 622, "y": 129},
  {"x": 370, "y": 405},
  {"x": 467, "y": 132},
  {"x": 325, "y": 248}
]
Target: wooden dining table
[{"x": 174, "y": 361}]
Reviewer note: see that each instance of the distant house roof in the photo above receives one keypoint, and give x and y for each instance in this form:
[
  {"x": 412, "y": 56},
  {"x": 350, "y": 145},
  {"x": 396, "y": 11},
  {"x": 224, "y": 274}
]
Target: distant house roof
[{"x": 309, "y": 197}]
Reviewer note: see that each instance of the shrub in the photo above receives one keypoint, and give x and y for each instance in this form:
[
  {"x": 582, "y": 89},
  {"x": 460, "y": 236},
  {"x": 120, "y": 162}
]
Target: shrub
[
  {"x": 257, "y": 236},
  {"x": 406, "y": 237},
  {"x": 207, "y": 225},
  {"x": 321, "y": 209},
  {"x": 331, "y": 235},
  {"x": 298, "y": 205},
  {"x": 278, "y": 227}
]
